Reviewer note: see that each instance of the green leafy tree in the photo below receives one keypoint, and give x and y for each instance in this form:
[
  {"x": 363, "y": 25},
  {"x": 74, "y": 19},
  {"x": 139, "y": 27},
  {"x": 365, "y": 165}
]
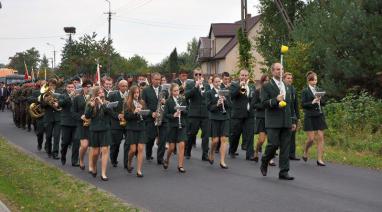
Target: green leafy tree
[
  {"x": 187, "y": 59},
  {"x": 346, "y": 45},
  {"x": 274, "y": 32},
  {"x": 246, "y": 59},
  {"x": 44, "y": 63},
  {"x": 173, "y": 63},
  {"x": 30, "y": 57}
]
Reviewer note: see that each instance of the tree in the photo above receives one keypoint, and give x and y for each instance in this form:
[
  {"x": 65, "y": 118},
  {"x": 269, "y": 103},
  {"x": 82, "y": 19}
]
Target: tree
[
  {"x": 187, "y": 60},
  {"x": 246, "y": 59},
  {"x": 274, "y": 32},
  {"x": 346, "y": 49},
  {"x": 30, "y": 57},
  {"x": 2, "y": 65},
  {"x": 44, "y": 63},
  {"x": 173, "y": 64}
]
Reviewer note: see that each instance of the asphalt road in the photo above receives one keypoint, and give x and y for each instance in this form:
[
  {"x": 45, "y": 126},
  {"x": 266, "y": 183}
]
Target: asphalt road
[{"x": 240, "y": 188}]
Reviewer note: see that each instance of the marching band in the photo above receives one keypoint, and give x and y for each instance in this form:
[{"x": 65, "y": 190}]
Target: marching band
[{"x": 94, "y": 119}]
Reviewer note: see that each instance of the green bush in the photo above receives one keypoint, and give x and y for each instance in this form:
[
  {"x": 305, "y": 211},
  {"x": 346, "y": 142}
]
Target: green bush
[{"x": 355, "y": 122}]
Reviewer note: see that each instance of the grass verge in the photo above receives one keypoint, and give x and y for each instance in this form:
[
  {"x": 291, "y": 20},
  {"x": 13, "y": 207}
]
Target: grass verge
[{"x": 28, "y": 184}]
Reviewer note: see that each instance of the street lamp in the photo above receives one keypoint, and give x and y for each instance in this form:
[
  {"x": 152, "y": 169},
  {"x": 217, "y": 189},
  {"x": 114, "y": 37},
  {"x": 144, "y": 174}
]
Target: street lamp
[{"x": 54, "y": 54}]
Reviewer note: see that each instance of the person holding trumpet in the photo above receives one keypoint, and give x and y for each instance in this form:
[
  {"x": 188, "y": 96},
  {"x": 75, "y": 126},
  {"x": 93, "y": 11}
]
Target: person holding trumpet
[
  {"x": 276, "y": 97},
  {"x": 97, "y": 111},
  {"x": 135, "y": 126},
  {"x": 217, "y": 105},
  {"x": 174, "y": 112},
  {"x": 82, "y": 130},
  {"x": 314, "y": 118}
]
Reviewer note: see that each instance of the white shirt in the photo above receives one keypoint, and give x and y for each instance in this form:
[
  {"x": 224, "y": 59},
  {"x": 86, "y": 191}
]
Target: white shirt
[
  {"x": 175, "y": 100},
  {"x": 313, "y": 89},
  {"x": 123, "y": 94},
  {"x": 281, "y": 86},
  {"x": 156, "y": 89}
]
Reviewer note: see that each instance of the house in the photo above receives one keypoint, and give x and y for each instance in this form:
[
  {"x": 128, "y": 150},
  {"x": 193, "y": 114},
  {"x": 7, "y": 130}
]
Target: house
[{"x": 219, "y": 52}]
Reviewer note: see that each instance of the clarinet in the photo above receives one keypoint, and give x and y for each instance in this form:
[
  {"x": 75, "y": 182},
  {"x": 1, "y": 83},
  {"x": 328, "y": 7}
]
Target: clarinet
[
  {"x": 180, "y": 113},
  {"x": 136, "y": 105}
]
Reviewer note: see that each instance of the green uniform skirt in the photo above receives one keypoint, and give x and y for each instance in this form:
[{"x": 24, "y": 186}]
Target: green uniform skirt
[
  {"x": 100, "y": 138},
  {"x": 219, "y": 128},
  {"x": 136, "y": 137},
  {"x": 175, "y": 135}
]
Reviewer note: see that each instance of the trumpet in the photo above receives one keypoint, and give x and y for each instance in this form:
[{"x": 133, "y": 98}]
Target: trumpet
[
  {"x": 222, "y": 97},
  {"x": 179, "y": 109},
  {"x": 243, "y": 89},
  {"x": 138, "y": 105}
]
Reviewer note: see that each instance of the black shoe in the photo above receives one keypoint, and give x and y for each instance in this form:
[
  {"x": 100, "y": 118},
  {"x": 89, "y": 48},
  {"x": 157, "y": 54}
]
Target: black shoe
[
  {"x": 256, "y": 159},
  {"x": 56, "y": 157},
  {"x": 320, "y": 164},
  {"x": 104, "y": 178},
  {"x": 63, "y": 161},
  {"x": 140, "y": 175},
  {"x": 236, "y": 154},
  {"x": 82, "y": 167},
  {"x": 286, "y": 177},
  {"x": 223, "y": 167},
  {"x": 159, "y": 162},
  {"x": 39, "y": 147},
  {"x": 165, "y": 164},
  {"x": 75, "y": 164},
  {"x": 94, "y": 174},
  {"x": 211, "y": 161},
  {"x": 114, "y": 164},
  {"x": 149, "y": 158},
  {"x": 304, "y": 158},
  {"x": 271, "y": 163},
  {"x": 264, "y": 169},
  {"x": 181, "y": 170},
  {"x": 294, "y": 158}
]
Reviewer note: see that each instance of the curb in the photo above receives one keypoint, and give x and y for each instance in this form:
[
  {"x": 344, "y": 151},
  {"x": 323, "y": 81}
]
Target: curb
[{"x": 3, "y": 208}]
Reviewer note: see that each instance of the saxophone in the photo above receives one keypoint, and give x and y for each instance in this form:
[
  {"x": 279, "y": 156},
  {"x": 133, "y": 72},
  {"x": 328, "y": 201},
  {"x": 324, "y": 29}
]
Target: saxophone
[
  {"x": 160, "y": 107},
  {"x": 122, "y": 121}
]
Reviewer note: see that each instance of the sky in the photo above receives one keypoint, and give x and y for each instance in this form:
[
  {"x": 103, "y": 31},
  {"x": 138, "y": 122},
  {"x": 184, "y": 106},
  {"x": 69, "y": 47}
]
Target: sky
[{"x": 150, "y": 28}]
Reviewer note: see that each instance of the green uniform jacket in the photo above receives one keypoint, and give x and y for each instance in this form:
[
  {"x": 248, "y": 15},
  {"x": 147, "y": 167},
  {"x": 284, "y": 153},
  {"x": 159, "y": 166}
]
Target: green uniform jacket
[
  {"x": 169, "y": 110},
  {"x": 258, "y": 105},
  {"x": 216, "y": 112},
  {"x": 100, "y": 120},
  {"x": 197, "y": 101},
  {"x": 65, "y": 102},
  {"x": 114, "y": 112},
  {"x": 78, "y": 109},
  {"x": 276, "y": 117},
  {"x": 134, "y": 121},
  {"x": 151, "y": 100},
  {"x": 51, "y": 115},
  {"x": 306, "y": 102},
  {"x": 240, "y": 101}
]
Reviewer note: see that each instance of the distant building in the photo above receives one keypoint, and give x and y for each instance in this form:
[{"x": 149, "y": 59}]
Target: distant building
[
  {"x": 219, "y": 51},
  {"x": 7, "y": 71}
]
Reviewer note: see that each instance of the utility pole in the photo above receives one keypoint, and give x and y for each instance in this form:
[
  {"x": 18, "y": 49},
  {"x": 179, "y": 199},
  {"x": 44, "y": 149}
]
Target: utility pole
[
  {"x": 285, "y": 15},
  {"x": 244, "y": 13},
  {"x": 109, "y": 38},
  {"x": 54, "y": 55}
]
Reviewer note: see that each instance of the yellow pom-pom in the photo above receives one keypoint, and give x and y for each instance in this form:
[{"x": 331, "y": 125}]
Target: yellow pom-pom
[
  {"x": 282, "y": 104},
  {"x": 284, "y": 49}
]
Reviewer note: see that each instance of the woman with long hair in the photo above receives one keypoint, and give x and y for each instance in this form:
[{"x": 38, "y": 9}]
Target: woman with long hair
[
  {"x": 217, "y": 106},
  {"x": 135, "y": 126},
  {"x": 314, "y": 118},
  {"x": 176, "y": 127},
  {"x": 97, "y": 111}
]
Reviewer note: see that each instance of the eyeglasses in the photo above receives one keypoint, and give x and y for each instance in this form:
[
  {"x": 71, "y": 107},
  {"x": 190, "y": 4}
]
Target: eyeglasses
[{"x": 198, "y": 74}]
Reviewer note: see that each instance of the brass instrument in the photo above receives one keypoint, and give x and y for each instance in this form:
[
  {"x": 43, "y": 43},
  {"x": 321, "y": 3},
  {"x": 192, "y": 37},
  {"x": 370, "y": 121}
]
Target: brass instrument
[
  {"x": 49, "y": 97},
  {"x": 36, "y": 111},
  {"x": 243, "y": 89},
  {"x": 160, "y": 107},
  {"x": 122, "y": 121}
]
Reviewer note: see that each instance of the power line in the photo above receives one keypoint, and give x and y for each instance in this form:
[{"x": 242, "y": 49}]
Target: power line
[
  {"x": 178, "y": 27},
  {"x": 25, "y": 38}
]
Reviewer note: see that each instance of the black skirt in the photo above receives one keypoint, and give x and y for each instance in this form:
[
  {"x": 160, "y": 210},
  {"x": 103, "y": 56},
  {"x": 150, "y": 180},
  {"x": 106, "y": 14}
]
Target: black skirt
[
  {"x": 82, "y": 132},
  {"x": 136, "y": 137},
  {"x": 219, "y": 128},
  {"x": 259, "y": 125},
  {"x": 314, "y": 123},
  {"x": 175, "y": 135},
  {"x": 100, "y": 138}
]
